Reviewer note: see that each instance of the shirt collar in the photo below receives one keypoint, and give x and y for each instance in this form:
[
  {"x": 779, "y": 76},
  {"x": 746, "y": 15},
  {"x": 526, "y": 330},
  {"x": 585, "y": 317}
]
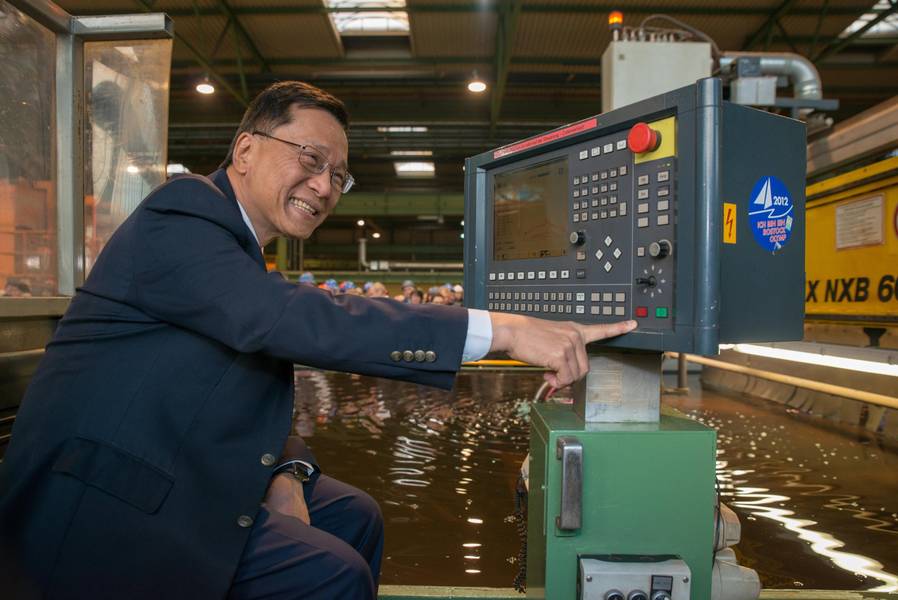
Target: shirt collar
[{"x": 249, "y": 223}]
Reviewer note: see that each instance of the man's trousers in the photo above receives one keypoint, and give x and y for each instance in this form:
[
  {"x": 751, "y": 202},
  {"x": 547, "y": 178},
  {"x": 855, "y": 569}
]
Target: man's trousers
[{"x": 337, "y": 557}]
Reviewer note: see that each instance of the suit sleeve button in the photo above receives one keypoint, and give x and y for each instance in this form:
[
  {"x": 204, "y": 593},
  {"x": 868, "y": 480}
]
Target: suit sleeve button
[
  {"x": 268, "y": 459},
  {"x": 245, "y": 521},
  {"x": 419, "y": 355},
  {"x": 408, "y": 356},
  {"x": 396, "y": 355},
  {"x": 430, "y": 356}
]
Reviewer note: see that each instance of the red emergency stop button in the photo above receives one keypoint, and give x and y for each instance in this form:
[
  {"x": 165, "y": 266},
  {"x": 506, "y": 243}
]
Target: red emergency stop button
[{"x": 643, "y": 138}]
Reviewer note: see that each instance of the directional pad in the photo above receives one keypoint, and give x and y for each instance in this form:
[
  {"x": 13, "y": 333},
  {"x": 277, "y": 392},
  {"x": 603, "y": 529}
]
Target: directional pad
[
  {"x": 599, "y": 254},
  {"x": 617, "y": 253},
  {"x": 608, "y": 240},
  {"x": 608, "y": 267}
]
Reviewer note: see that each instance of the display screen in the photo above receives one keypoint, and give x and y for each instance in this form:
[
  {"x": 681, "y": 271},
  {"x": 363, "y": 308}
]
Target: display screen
[{"x": 530, "y": 211}]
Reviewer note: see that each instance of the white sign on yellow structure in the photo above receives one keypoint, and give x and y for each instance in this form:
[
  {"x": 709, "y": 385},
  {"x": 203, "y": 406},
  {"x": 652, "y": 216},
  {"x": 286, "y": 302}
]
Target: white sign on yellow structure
[{"x": 852, "y": 246}]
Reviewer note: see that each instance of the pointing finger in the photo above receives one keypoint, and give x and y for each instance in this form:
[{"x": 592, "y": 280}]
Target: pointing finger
[{"x": 592, "y": 333}]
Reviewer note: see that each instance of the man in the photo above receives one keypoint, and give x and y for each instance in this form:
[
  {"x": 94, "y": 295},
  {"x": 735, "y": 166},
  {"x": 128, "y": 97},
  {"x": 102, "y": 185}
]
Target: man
[
  {"x": 459, "y": 292},
  {"x": 144, "y": 459}
]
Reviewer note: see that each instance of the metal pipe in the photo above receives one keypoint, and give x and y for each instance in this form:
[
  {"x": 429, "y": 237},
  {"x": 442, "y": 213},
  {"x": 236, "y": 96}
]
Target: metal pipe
[
  {"x": 816, "y": 386},
  {"x": 425, "y": 265},
  {"x": 682, "y": 375},
  {"x": 363, "y": 252},
  {"x": 800, "y": 71}
]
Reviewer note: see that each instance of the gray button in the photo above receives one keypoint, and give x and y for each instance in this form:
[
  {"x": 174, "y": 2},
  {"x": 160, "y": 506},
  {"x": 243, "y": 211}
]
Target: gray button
[
  {"x": 396, "y": 355},
  {"x": 419, "y": 355},
  {"x": 245, "y": 521},
  {"x": 268, "y": 459},
  {"x": 430, "y": 356},
  {"x": 408, "y": 356}
]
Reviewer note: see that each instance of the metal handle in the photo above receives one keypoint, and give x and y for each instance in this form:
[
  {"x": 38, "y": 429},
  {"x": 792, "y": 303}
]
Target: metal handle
[{"x": 569, "y": 451}]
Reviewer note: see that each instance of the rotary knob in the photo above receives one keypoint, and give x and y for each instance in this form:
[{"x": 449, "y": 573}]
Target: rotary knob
[
  {"x": 643, "y": 138},
  {"x": 659, "y": 249},
  {"x": 578, "y": 238}
]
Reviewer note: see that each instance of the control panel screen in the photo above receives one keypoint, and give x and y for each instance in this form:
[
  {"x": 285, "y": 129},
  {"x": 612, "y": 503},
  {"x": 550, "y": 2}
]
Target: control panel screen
[{"x": 530, "y": 211}]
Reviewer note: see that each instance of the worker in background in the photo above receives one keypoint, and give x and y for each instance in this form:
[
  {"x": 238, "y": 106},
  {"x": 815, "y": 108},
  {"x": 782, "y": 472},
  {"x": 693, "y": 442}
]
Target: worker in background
[
  {"x": 459, "y": 292},
  {"x": 150, "y": 457},
  {"x": 377, "y": 290}
]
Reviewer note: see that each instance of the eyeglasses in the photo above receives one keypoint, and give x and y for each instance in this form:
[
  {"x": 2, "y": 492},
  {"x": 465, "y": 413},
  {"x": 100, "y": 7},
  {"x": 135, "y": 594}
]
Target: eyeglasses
[{"x": 315, "y": 162}]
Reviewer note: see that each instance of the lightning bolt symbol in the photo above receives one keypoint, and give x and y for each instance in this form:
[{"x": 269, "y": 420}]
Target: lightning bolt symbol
[{"x": 729, "y": 223}]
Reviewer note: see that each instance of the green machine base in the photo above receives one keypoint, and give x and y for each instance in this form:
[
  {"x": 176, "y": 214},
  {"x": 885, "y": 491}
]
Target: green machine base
[{"x": 647, "y": 489}]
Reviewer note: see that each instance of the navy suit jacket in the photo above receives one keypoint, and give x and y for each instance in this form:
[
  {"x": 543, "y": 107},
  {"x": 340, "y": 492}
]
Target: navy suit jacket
[{"x": 139, "y": 442}]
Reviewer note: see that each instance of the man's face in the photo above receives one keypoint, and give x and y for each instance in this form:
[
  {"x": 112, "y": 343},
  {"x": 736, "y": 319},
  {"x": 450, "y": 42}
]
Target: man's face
[{"x": 280, "y": 195}]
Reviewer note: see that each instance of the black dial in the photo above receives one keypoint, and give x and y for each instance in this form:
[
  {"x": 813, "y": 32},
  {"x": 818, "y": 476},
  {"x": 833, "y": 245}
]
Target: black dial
[
  {"x": 578, "y": 238},
  {"x": 659, "y": 249}
]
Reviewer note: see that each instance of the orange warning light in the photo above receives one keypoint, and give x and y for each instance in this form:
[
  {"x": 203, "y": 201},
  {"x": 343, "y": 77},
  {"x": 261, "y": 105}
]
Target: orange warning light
[{"x": 616, "y": 18}]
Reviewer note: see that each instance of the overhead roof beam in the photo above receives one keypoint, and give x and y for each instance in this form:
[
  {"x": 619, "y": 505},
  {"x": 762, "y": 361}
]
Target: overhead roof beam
[
  {"x": 202, "y": 60},
  {"x": 473, "y": 61},
  {"x": 765, "y": 29},
  {"x": 479, "y": 7},
  {"x": 506, "y": 26},
  {"x": 786, "y": 37},
  {"x": 229, "y": 12},
  {"x": 837, "y": 46}
]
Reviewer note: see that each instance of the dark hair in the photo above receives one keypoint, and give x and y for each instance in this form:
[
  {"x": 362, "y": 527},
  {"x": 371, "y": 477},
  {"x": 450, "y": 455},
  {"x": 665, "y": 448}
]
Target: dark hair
[{"x": 271, "y": 109}]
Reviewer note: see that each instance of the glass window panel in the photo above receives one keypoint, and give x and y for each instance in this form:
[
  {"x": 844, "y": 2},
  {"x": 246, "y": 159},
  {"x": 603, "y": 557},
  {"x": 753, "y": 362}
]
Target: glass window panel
[
  {"x": 28, "y": 245},
  {"x": 126, "y": 112}
]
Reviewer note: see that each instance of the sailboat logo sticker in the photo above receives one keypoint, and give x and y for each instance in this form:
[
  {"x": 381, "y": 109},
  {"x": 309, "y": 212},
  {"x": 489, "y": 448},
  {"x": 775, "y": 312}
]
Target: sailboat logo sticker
[{"x": 770, "y": 213}]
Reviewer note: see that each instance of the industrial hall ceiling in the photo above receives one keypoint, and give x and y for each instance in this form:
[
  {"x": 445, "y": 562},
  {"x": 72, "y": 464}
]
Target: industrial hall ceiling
[{"x": 409, "y": 67}]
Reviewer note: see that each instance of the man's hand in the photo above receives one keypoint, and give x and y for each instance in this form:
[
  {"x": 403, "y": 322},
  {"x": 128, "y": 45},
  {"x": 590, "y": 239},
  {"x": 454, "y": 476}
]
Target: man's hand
[
  {"x": 285, "y": 496},
  {"x": 559, "y": 346}
]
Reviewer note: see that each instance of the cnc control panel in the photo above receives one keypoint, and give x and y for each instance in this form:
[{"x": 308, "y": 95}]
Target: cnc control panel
[{"x": 625, "y": 216}]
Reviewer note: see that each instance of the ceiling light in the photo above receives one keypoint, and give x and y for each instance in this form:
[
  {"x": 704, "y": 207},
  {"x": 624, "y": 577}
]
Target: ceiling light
[
  {"x": 411, "y": 152},
  {"x": 476, "y": 85},
  {"x": 414, "y": 169},
  {"x": 376, "y": 235},
  {"x": 360, "y": 222},
  {"x": 205, "y": 87},
  {"x": 402, "y": 129}
]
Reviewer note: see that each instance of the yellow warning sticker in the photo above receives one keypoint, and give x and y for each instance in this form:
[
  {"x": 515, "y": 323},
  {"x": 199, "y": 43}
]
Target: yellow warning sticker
[{"x": 729, "y": 223}]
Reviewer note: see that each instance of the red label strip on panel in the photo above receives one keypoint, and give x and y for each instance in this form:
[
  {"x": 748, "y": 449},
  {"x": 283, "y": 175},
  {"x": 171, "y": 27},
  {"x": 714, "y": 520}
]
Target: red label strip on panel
[{"x": 546, "y": 138}]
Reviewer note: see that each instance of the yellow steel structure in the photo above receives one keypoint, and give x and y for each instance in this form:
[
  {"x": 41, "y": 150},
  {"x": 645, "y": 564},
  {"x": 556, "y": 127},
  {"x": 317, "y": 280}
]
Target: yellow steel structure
[{"x": 852, "y": 246}]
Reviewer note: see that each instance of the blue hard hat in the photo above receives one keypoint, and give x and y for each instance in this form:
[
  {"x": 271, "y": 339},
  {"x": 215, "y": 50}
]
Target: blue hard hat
[
  {"x": 307, "y": 278},
  {"x": 367, "y": 285},
  {"x": 331, "y": 284}
]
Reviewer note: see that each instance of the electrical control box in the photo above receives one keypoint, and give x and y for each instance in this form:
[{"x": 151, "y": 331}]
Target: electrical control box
[{"x": 681, "y": 211}]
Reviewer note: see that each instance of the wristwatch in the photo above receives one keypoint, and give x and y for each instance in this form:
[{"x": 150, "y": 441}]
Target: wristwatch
[{"x": 300, "y": 470}]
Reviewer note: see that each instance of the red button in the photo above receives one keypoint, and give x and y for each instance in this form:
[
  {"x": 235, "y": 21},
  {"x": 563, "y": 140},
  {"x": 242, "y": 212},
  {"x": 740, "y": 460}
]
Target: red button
[
  {"x": 642, "y": 311},
  {"x": 643, "y": 138}
]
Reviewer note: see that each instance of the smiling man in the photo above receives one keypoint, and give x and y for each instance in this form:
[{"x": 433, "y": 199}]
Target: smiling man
[{"x": 150, "y": 457}]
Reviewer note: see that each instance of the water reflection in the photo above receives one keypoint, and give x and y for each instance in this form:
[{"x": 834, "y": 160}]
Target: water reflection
[
  {"x": 776, "y": 472},
  {"x": 818, "y": 509}
]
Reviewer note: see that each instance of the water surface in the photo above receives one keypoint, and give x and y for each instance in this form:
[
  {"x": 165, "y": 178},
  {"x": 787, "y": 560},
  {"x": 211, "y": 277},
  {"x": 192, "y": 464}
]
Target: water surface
[{"x": 818, "y": 505}]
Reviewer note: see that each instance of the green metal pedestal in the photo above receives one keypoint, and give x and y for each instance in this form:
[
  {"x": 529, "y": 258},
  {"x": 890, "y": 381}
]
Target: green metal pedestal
[{"x": 648, "y": 489}]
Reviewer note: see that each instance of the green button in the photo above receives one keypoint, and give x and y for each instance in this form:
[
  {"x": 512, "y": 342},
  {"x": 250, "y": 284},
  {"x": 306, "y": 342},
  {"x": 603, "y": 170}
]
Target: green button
[{"x": 661, "y": 312}]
